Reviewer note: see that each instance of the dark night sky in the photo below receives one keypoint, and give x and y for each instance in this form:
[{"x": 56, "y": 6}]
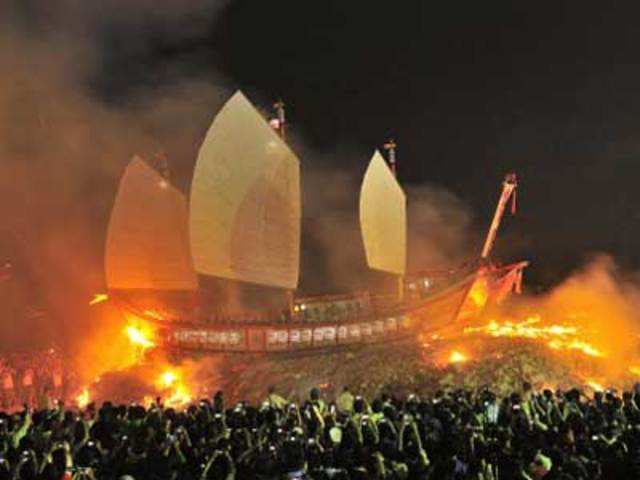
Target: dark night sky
[{"x": 469, "y": 89}]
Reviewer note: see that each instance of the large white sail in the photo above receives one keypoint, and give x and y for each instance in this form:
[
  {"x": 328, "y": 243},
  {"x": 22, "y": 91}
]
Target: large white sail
[
  {"x": 245, "y": 201},
  {"x": 383, "y": 218},
  {"x": 147, "y": 246}
]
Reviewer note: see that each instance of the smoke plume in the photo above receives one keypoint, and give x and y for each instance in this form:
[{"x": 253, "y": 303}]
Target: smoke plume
[{"x": 65, "y": 139}]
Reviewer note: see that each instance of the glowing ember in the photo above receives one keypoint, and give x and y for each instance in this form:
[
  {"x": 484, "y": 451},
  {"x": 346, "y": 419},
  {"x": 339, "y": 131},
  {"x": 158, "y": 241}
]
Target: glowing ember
[
  {"x": 83, "y": 399},
  {"x": 556, "y": 337},
  {"x": 457, "y": 357},
  {"x": 139, "y": 337},
  {"x": 99, "y": 298}
]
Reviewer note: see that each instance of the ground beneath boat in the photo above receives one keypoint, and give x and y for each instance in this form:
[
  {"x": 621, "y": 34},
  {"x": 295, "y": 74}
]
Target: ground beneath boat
[{"x": 404, "y": 367}]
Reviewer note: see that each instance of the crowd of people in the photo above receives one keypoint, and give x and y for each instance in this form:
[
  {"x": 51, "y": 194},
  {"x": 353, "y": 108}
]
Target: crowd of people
[
  {"x": 30, "y": 378},
  {"x": 452, "y": 435}
]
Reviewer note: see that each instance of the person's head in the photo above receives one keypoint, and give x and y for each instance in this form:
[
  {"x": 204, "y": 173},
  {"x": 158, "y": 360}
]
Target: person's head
[
  {"x": 314, "y": 394},
  {"x": 412, "y": 403},
  {"x": 88, "y": 455},
  {"x": 218, "y": 401},
  {"x": 369, "y": 436},
  {"x": 598, "y": 397},
  {"x": 540, "y": 466}
]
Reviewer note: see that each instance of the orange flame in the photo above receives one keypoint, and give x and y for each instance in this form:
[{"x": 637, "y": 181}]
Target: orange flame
[
  {"x": 479, "y": 292},
  {"x": 153, "y": 314},
  {"x": 83, "y": 398},
  {"x": 556, "y": 337},
  {"x": 575, "y": 344},
  {"x": 457, "y": 356},
  {"x": 594, "y": 385},
  {"x": 98, "y": 298},
  {"x": 140, "y": 336},
  {"x": 172, "y": 383}
]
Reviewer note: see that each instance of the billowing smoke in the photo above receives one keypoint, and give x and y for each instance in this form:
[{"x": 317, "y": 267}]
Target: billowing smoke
[
  {"x": 589, "y": 323},
  {"x": 64, "y": 141},
  {"x": 440, "y": 231}
]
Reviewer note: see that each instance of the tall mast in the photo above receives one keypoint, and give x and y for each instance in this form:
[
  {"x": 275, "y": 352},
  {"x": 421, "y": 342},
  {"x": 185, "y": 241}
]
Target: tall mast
[
  {"x": 279, "y": 123},
  {"x": 390, "y": 147},
  {"x": 509, "y": 186}
]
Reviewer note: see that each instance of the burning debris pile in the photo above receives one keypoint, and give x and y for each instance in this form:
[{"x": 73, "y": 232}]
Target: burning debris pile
[
  {"x": 131, "y": 367},
  {"x": 557, "y": 337}
]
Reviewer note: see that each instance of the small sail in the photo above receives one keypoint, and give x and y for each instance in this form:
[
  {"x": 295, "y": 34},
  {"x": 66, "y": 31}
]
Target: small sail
[
  {"x": 383, "y": 218},
  {"x": 245, "y": 201},
  {"x": 147, "y": 246}
]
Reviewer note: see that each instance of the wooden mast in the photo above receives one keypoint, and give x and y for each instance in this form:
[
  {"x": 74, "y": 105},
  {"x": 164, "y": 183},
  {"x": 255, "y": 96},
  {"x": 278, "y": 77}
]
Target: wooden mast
[
  {"x": 279, "y": 124},
  {"x": 509, "y": 186},
  {"x": 390, "y": 147}
]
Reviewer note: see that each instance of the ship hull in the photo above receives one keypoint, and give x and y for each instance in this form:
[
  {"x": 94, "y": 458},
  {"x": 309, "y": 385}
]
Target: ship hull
[{"x": 440, "y": 310}]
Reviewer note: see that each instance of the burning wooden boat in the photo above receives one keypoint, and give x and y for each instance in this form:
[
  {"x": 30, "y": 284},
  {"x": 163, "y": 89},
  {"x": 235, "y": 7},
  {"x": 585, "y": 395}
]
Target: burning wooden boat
[{"x": 243, "y": 224}]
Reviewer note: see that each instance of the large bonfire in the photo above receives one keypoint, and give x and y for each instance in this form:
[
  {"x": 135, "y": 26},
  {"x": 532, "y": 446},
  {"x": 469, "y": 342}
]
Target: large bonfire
[
  {"x": 584, "y": 333},
  {"x": 125, "y": 364}
]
